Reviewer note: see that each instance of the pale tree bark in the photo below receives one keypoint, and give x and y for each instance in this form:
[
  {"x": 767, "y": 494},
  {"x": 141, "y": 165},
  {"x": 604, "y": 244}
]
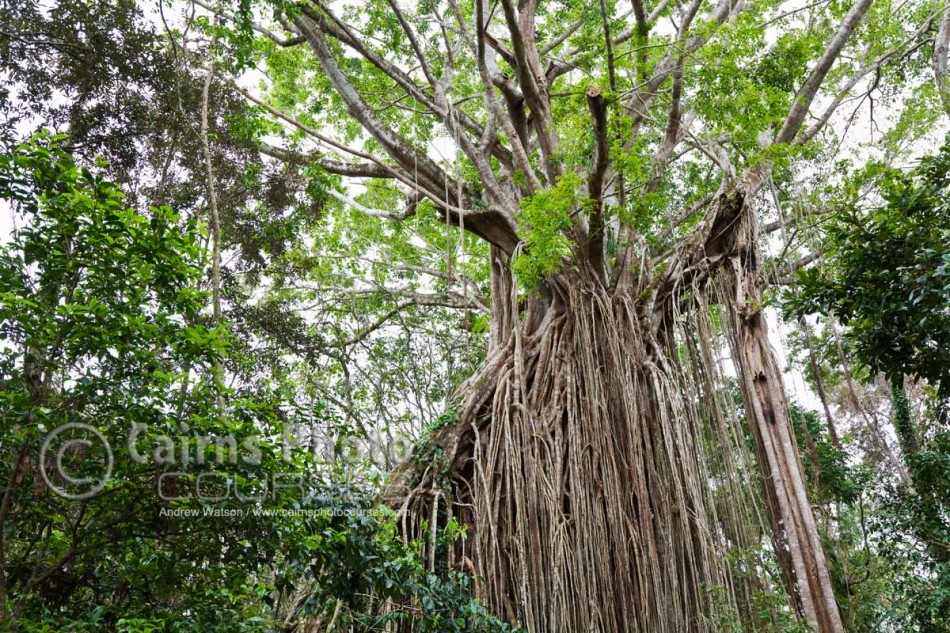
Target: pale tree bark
[
  {"x": 763, "y": 392},
  {"x": 763, "y": 388},
  {"x": 214, "y": 215},
  {"x": 941, "y": 50}
]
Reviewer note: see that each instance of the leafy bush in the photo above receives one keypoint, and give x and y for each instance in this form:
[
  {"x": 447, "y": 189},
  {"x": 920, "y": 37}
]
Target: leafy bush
[{"x": 104, "y": 329}]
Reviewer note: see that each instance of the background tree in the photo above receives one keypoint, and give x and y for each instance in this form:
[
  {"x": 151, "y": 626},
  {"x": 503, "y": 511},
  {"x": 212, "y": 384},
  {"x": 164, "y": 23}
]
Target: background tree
[
  {"x": 124, "y": 81},
  {"x": 885, "y": 278},
  {"x": 87, "y": 346}
]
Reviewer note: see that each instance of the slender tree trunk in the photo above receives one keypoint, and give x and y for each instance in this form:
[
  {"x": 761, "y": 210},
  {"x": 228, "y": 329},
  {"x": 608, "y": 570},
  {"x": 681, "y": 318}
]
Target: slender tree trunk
[
  {"x": 794, "y": 529},
  {"x": 214, "y": 216},
  {"x": 939, "y": 59},
  {"x": 931, "y": 530},
  {"x": 820, "y": 384}
]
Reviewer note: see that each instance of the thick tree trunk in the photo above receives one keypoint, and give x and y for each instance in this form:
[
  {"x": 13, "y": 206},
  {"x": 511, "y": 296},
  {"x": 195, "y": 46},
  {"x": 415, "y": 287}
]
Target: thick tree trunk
[
  {"x": 577, "y": 463},
  {"x": 582, "y": 464},
  {"x": 793, "y": 521}
]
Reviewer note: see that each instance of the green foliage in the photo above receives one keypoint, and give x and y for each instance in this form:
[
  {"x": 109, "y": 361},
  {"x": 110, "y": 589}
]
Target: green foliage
[
  {"x": 448, "y": 417},
  {"x": 101, "y": 317},
  {"x": 921, "y": 582},
  {"x": 103, "y": 62},
  {"x": 357, "y": 559},
  {"x": 59, "y": 273},
  {"x": 103, "y": 325},
  {"x": 546, "y": 217},
  {"x": 766, "y": 608},
  {"x": 887, "y": 276},
  {"x": 920, "y": 517},
  {"x": 829, "y": 477}
]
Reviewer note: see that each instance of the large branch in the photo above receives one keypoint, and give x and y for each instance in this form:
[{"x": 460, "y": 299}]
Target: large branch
[
  {"x": 783, "y": 222},
  {"x": 356, "y": 170},
  {"x": 715, "y": 239},
  {"x": 285, "y": 42},
  {"x": 385, "y": 170},
  {"x": 909, "y": 44},
  {"x": 477, "y": 152},
  {"x": 452, "y": 301},
  {"x": 487, "y": 69},
  {"x": 333, "y": 26},
  {"x": 521, "y": 25},
  {"x": 640, "y": 15},
  {"x": 674, "y": 133},
  {"x": 788, "y": 278},
  {"x": 806, "y": 94},
  {"x": 402, "y": 152},
  {"x": 414, "y": 41},
  {"x": 572, "y": 57},
  {"x": 327, "y": 21},
  {"x": 493, "y": 225},
  {"x": 408, "y": 212},
  {"x": 639, "y": 101},
  {"x": 322, "y": 138},
  {"x": 340, "y": 30}
]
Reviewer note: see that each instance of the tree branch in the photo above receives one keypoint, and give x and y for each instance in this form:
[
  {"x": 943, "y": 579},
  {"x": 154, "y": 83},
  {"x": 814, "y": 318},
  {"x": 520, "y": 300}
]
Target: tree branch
[
  {"x": 418, "y": 299},
  {"x": 405, "y": 155},
  {"x": 277, "y": 39},
  {"x": 521, "y": 26},
  {"x": 638, "y": 102},
  {"x": 640, "y": 15},
  {"x": 414, "y": 41},
  {"x": 485, "y": 69},
  {"x": 771, "y": 227},
  {"x": 408, "y": 212},
  {"x": 806, "y": 94},
  {"x": 356, "y": 170},
  {"x": 863, "y": 72}
]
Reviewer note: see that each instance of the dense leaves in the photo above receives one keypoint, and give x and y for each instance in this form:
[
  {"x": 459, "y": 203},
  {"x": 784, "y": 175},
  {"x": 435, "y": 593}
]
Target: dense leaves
[
  {"x": 886, "y": 279},
  {"x": 887, "y": 275},
  {"x": 157, "y": 522}
]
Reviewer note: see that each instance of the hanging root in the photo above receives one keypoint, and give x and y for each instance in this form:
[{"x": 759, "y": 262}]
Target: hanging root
[{"x": 590, "y": 463}]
